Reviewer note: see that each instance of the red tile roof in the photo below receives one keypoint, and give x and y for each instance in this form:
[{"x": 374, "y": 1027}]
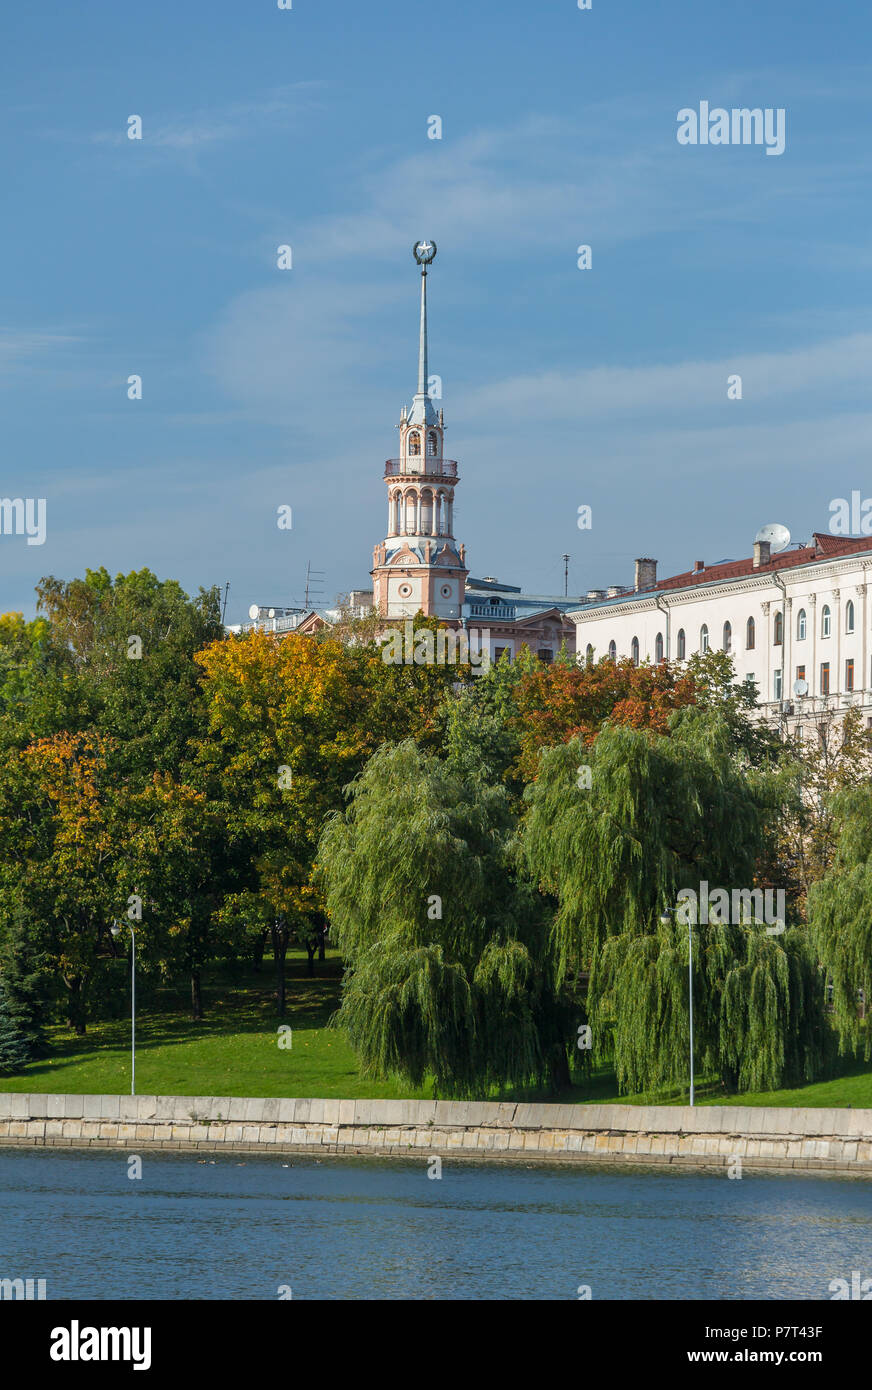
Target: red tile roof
[{"x": 823, "y": 547}]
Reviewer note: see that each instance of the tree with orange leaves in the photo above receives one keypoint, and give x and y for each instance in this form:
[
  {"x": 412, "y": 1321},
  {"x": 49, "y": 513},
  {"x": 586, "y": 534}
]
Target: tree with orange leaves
[
  {"x": 561, "y": 701},
  {"x": 81, "y": 845},
  {"x": 286, "y": 730},
  {"x": 565, "y": 700},
  {"x": 61, "y": 837}
]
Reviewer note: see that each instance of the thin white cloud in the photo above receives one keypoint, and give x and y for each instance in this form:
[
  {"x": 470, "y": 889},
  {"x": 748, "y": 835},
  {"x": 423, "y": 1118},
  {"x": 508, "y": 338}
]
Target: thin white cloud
[
  {"x": 21, "y": 345},
  {"x": 196, "y": 130},
  {"x": 299, "y": 353},
  {"x": 595, "y": 392},
  {"x": 536, "y": 188}
]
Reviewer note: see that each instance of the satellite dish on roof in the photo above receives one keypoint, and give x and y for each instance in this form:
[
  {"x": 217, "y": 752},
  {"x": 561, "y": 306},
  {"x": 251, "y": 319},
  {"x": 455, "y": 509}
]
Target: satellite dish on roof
[
  {"x": 253, "y": 611},
  {"x": 800, "y": 687},
  {"x": 777, "y": 535}
]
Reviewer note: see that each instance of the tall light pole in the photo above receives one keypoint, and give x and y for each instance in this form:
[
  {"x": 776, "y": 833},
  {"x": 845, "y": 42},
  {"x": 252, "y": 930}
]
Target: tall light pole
[
  {"x": 116, "y": 932},
  {"x": 690, "y": 992},
  {"x": 666, "y": 918}
]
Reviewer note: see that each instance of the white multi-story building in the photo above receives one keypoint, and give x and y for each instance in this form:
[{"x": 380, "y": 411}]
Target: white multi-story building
[{"x": 797, "y": 623}]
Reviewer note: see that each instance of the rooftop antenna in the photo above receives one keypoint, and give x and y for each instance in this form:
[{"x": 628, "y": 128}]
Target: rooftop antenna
[
  {"x": 777, "y": 535},
  {"x": 565, "y": 576},
  {"x": 313, "y": 582}
]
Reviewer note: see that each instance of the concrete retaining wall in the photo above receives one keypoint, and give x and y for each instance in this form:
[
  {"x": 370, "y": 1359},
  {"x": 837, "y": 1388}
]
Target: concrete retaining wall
[{"x": 835, "y": 1140}]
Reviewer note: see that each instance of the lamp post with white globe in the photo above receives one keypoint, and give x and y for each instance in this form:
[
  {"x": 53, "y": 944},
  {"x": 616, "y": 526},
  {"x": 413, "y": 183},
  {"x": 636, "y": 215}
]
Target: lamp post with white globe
[{"x": 116, "y": 932}]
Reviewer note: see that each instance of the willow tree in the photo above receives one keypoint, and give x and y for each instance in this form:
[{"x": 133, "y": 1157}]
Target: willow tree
[
  {"x": 449, "y": 972},
  {"x": 661, "y": 813},
  {"x": 840, "y": 918},
  {"x": 757, "y": 1006},
  {"x": 615, "y": 831}
]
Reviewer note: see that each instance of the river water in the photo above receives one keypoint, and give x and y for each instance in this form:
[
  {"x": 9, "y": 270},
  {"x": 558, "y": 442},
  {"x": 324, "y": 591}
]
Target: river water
[{"x": 249, "y": 1226}]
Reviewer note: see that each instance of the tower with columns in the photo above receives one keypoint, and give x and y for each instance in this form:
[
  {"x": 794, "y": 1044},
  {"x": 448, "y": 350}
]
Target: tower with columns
[{"x": 420, "y": 566}]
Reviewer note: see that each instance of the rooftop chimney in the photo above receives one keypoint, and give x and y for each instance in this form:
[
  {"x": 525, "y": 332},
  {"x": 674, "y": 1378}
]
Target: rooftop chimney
[
  {"x": 761, "y": 553},
  {"x": 698, "y": 566},
  {"x": 646, "y": 574}
]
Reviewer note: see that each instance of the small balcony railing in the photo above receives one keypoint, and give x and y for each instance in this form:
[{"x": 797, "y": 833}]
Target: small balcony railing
[
  {"x": 287, "y": 623},
  {"x": 497, "y": 612},
  {"x": 421, "y": 464}
]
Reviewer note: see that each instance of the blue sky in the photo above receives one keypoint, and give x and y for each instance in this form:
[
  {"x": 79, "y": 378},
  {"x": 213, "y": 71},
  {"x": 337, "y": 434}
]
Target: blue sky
[{"x": 562, "y": 387}]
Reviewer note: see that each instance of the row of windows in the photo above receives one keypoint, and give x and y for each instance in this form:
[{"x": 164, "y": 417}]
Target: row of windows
[
  {"x": 727, "y": 635},
  {"x": 826, "y": 621},
  {"x": 823, "y": 678},
  {"x": 802, "y": 625},
  {"x": 658, "y": 645}
]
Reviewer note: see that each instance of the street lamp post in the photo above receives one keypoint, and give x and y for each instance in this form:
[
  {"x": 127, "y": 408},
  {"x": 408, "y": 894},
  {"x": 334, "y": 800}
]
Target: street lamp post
[
  {"x": 690, "y": 993},
  {"x": 666, "y": 919},
  {"x": 116, "y": 932}
]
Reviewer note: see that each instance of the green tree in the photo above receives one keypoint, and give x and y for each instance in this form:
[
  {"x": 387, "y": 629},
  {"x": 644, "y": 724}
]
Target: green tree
[
  {"x": 14, "y": 1052},
  {"x": 658, "y": 814},
  {"x": 27, "y": 978},
  {"x": 713, "y": 675},
  {"x": 404, "y": 699},
  {"x": 178, "y": 861},
  {"x": 128, "y": 645},
  {"x": 77, "y": 840},
  {"x": 39, "y": 695},
  {"x": 840, "y": 917},
  {"x": 662, "y": 813},
  {"x": 287, "y": 726},
  {"x": 448, "y": 965},
  {"x": 815, "y": 770},
  {"x": 480, "y": 724},
  {"x": 758, "y": 1007},
  {"x": 62, "y": 835}
]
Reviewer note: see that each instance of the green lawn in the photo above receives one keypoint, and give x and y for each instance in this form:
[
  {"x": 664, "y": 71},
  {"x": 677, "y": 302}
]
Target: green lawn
[
  {"x": 852, "y": 1088},
  {"x": 235, "y": 1052}
]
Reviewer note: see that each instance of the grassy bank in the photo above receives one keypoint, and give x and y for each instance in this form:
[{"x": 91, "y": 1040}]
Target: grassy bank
[{"x": 235, "y": 1052}]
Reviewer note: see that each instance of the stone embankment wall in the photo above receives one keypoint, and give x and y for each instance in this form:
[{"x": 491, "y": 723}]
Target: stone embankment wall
[{"x": 782, "y": 1139}]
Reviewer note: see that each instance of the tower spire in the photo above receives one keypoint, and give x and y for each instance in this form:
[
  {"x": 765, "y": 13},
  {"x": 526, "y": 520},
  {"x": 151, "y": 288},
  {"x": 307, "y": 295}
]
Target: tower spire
[
  {"x": 420, "y": 565},
  {"x": 422, "y": 347},
  {"x": 423, "y": 411}
]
